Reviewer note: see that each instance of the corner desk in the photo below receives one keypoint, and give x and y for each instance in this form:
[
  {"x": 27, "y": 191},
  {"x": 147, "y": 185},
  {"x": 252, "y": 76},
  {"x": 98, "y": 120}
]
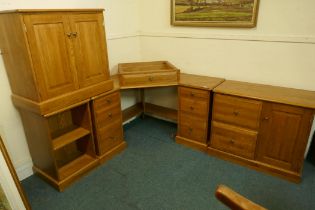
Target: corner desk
[{"x": 262, "y": 127}]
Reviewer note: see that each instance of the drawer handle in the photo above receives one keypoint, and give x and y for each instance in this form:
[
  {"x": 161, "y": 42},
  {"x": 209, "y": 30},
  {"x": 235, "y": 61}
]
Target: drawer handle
[
  {"x": 236, "y": 113},
  {"x": 110, "y": 115},
  {"x": 266, "y": 118},
  {"x": 190, "y": 130},
  {"x": 232, "y": 141},
  {"x": 192, "y": 94},
  {"x": 108, "y": 101},
  {"x": 151, "y": 79},
  {"x": 191, "y": 108}
]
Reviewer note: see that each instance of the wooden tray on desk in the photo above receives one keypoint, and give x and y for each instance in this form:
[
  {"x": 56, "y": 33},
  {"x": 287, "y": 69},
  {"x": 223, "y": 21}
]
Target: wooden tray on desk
[{"x": 147, "y": 74}]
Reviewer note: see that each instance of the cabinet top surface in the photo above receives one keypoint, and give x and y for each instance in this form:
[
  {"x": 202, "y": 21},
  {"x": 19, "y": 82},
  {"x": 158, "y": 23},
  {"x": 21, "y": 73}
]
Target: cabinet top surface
[
  {"x": 201, "y": 82},
  {"x": 51, "y": 10},
  {"x": 290, "y": 96}
]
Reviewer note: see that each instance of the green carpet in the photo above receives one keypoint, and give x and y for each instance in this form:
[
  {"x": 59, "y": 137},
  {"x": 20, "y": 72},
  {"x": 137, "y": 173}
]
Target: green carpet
[{"x": 156, "y": 173}]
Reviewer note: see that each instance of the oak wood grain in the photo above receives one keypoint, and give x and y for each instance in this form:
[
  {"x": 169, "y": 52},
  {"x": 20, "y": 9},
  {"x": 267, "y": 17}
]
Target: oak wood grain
[
  {"x": 289, "y": 96},
  {"x": 234, "y": 200}
]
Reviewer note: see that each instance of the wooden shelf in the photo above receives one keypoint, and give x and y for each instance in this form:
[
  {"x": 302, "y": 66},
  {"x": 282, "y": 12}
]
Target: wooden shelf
[
  {"x": 160, "y": 111},
  {"x": 76, "y": 166},
  {"x": 69, "y": 137},
  {"x": 132, "y": 111}
]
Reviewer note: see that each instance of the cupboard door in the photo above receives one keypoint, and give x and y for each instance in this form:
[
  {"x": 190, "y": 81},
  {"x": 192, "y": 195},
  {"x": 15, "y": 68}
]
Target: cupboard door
[
  {"x": 90, "y": 50},
  {"x": 51, "y": 53},
  {"x": 283, "y": 135}
]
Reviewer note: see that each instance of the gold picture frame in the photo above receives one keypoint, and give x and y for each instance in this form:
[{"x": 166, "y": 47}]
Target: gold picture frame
[
  {"x": 20, "y": 197},
  {"x": 215, "y": 13}
]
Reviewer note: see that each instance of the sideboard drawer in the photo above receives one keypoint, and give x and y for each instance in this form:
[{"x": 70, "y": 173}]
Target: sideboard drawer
[
  {"x": 107, "y": 102},
  {"x": 149, "y": 79},
  {"x": 238, "y": 111},
  {"x": 192, "y": 127},
  {"x": 194, "y": 94},
  {"x": 233, "y": 139},
  {"x": 109, "y": 137},
  {"x": 105, "y": 117},
  {"x": 194, "y": 106}
]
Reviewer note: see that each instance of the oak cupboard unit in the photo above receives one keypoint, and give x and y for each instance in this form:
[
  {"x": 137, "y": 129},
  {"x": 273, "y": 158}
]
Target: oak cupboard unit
[
  {"x": 56, "y": 61},
  {"x": 261, "y": 126},
  {"x": 54, "y": 58},
  {"x": 194, "y": 106}
]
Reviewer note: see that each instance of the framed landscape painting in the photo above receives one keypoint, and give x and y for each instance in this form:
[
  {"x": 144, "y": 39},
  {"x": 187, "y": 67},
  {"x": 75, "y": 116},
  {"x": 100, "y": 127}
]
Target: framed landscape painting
[{"x": 216, "y": 13}]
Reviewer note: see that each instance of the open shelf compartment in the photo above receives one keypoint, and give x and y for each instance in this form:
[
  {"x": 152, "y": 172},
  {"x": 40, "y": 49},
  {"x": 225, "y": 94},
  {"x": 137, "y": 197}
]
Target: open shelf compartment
[{"x": 72, "y": 141}]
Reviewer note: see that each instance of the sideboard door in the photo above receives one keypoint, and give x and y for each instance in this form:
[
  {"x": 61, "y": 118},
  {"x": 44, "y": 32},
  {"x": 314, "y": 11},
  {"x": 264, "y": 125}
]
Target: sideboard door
[
  {"x": 50, "y": 48},
  {"x": 89, "y": 48},
  {"x": 283, "y": 135}
]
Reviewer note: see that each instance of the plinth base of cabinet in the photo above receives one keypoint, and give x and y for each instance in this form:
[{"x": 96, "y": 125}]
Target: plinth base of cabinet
[
  {"x": 60, "y": 185},
  {"x": 256, "y": 165},
  {"x": 111, "y": 153},
  {"x": 191, "y": 143}
]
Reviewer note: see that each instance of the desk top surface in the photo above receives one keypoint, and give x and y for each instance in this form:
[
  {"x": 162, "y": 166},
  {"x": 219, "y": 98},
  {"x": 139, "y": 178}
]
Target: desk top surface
[
  {"x": 200, "y": 82},
  {"x": 189, "y": 80},
  {"x": 290, "y": 96}
]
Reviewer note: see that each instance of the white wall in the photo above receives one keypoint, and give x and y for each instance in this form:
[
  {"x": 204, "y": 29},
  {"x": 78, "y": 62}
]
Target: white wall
[
  {"x": 123, "y": 46},
  {"x": 279, "y": 51}
]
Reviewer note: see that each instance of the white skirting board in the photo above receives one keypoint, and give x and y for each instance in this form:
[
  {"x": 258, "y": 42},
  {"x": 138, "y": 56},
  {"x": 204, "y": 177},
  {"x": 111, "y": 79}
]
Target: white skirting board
[{"x": 310, "y": 138}]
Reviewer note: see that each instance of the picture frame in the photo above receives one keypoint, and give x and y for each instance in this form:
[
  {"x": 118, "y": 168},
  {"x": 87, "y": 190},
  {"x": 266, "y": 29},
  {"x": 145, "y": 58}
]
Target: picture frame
[
  {"x": 12, "y": 193},
  {"x": 214, "y": 13}
]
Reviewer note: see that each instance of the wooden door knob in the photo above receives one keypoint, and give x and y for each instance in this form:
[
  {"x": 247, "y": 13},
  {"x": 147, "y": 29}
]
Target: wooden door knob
[
  {"x": 74, "y": 34},
  {"x": 236, "y": 113}
]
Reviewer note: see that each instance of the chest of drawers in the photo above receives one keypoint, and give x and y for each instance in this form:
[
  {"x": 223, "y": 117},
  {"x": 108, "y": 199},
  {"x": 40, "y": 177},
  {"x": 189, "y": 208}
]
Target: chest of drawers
[
  {"x": 194, "y": 93},
  {"x": 107, "y": 117}
]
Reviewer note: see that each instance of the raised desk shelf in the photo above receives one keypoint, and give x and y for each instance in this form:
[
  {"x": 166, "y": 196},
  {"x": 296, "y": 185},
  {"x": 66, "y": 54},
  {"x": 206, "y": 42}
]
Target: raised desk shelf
[
  {"x": 69, "y": 137},
  {"x": 147, "y": 74}
]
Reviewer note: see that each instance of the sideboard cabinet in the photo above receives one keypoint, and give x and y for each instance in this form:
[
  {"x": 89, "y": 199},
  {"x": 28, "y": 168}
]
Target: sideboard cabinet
[{"x": 262, "y": 126}]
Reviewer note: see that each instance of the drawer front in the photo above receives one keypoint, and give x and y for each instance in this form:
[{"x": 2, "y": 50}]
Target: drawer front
[
  {"x": 194, "y": 94},
  {"x": 109, "y": 137},
  {"x": 148, "y": 79},
  {"x": 107, "y": 102},
  {"x": 237, "y": 111},
  {"x": 194, "y": 107},
  {"x": 233, "y": 139},
  {"x": 193, "y": 128},
  {"x": 104, "y": 117}
]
